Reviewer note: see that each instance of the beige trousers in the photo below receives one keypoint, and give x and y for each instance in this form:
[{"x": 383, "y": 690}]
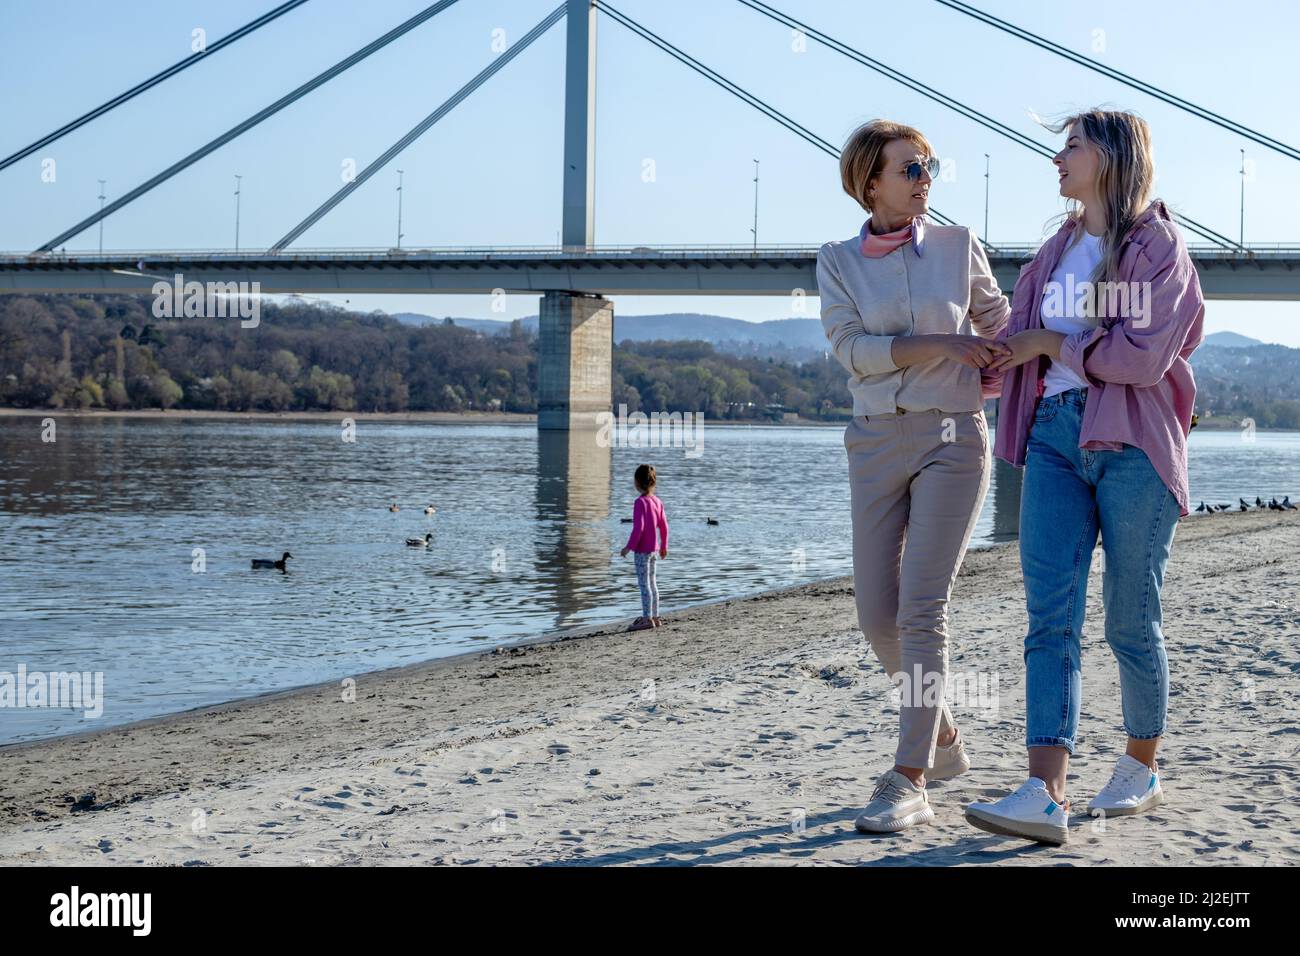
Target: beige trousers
[{"x": 917, "y": 480}]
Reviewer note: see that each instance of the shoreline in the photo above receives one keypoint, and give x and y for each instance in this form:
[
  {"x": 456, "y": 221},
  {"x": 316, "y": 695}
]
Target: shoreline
[
  {"x": 441, "y": 418},
  {"x": 697, "y": 742},
  {"x": 577, "y": 632},
  {"x": 195, "y": 414}
]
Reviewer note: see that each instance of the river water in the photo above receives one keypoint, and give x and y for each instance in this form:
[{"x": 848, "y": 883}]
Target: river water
[{"x": 125, "y": 543}]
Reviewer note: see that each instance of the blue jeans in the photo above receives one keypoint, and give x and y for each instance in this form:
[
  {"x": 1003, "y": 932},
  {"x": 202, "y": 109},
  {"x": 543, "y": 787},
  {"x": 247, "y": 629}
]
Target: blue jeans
[{"x": 1069, "y": 494}]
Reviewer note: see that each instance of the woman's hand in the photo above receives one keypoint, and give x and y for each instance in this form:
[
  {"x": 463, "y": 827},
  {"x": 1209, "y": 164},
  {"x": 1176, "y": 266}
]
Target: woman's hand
[
  {"x": 623, "y": 553},
  {"x": 663, "y": 552},
  {"x": 1027, "y": 345},
  {"x": 969, "y": 350},
  {"x": 972, "y": 350}
]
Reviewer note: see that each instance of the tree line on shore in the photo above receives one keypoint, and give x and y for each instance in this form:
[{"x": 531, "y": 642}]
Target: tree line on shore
[{"x": 86, "y": 352}]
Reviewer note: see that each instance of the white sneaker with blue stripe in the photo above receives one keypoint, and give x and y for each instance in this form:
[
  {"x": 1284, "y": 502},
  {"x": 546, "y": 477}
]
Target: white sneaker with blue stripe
[
  {"x": 1133, "y": 788},
  {"x": 1030, "y": 812}
]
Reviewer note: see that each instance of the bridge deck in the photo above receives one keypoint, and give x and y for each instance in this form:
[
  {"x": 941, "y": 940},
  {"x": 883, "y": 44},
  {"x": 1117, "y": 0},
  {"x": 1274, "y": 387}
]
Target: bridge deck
[{"x": 1260, "y": 272}]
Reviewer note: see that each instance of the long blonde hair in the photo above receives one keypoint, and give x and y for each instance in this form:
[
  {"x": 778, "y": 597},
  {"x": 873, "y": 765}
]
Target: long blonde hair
[{"x": 1125, "y": 175}]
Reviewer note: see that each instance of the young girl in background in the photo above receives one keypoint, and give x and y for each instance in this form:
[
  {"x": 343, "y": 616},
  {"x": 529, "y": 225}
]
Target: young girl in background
[{"x": 647, "y": 516}]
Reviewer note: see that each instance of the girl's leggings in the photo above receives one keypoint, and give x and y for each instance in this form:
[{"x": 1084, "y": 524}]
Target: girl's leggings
[{"x": 645, "y": 577}]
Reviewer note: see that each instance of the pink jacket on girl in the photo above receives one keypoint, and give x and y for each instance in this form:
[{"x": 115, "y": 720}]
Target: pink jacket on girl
[{"x": 647, "y": 515}]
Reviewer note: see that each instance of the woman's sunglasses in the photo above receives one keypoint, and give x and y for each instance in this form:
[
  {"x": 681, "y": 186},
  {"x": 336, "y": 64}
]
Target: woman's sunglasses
[{"x": 931, "y": 166}]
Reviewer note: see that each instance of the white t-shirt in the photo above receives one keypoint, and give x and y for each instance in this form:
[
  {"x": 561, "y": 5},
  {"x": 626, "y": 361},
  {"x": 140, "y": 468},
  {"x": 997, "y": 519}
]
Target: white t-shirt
[{"x": 1065, "y": 308}]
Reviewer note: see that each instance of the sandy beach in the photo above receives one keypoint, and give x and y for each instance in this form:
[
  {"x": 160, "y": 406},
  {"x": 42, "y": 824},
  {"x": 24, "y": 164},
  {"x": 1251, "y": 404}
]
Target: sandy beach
[{"x": 744, "y": 732}]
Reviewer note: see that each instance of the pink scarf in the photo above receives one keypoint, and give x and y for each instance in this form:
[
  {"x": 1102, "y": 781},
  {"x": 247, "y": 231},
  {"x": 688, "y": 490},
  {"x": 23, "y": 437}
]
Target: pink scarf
[{"x": 874, "y": 246}]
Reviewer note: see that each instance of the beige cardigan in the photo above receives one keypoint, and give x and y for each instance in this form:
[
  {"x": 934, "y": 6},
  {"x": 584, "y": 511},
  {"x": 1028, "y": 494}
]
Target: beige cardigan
[{"x": 866, "y": 302}]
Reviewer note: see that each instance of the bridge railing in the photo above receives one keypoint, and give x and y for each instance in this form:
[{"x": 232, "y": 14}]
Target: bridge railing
[
  {"x": 405, "y": 251},
  {"x": 662, "y": 251}
]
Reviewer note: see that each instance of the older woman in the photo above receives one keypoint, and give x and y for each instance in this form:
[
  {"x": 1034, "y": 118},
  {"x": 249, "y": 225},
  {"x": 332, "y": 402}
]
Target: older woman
[{"x": 911, "y": 310}]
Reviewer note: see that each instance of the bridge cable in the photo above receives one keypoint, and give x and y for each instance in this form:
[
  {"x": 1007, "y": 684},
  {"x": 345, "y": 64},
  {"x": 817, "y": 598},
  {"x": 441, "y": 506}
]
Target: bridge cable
[
  {"x": 423, "y": 126},
  {"x": 734, "y": 89},
  {"x": 1200, "y": 112},
  {"x": 252, "y": 121},
  {"x": 899, "y": 77},
  {"x": 952, "y": 104},
  {"x": 148, "y": 84}
]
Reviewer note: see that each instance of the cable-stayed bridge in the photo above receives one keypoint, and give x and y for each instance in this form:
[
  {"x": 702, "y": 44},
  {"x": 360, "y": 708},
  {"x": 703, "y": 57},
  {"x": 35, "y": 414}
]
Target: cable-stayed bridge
[{"x": 573, "y": 278}]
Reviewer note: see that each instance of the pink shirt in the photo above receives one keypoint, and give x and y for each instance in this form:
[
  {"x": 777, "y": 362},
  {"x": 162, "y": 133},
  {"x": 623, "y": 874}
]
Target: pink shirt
[
  {"x": 1140, "y": 386},
  {"x": 647, "y": 515}
]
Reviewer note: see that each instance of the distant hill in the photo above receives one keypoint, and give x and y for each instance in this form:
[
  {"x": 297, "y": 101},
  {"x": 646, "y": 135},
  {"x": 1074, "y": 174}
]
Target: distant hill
[
  {"x": 1230, "y": 340},
  {"x": 1248, "y": 381},
  {"x": 791, "y": 339}
]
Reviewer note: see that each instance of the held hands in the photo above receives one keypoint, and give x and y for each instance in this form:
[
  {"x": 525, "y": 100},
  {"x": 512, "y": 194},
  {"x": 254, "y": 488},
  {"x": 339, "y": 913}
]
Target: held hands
[
  {"x": 973, "y": 351},
  {"x": 1022, "y": 347}
]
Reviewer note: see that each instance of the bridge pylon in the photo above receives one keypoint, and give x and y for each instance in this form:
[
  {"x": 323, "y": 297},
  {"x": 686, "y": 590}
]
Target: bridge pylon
[{"x": 575, "y": 361}]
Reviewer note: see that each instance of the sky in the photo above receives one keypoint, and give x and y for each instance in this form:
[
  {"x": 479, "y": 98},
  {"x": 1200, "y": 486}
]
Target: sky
[{"x": 490, "y": 172}]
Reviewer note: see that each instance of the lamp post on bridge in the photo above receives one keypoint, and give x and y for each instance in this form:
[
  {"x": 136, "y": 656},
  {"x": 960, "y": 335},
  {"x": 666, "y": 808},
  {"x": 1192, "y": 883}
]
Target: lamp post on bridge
[
  {"x": 1241, "y": 240},
  {"x": 102, "y": 183},
  {"x": 755, "y": 229},
  {"x": 399, "y": 209},
  {"x": 237, "y": 191},
  {"x": 986, "y": 197}
]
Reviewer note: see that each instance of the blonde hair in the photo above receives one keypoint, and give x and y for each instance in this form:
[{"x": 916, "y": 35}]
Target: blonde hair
[
  {"x": 863, "y": 155},
  {"x": 1125, "y": 176}
]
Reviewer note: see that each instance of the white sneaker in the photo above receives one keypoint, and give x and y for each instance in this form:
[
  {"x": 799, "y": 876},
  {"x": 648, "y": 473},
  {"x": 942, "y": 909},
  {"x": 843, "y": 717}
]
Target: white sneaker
[
  {"x": 1133, "y": 788},
  {"x": 1030, "y": 812},
  {"x": 896, "y": 804},
  {"x": 949, "y": 761}
]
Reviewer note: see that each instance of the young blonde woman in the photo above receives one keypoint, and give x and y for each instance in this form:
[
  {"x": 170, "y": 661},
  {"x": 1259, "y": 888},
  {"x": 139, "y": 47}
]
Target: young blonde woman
[
  {"x": 1096, "y": 405},
  {"x": 910, "y": 309}
]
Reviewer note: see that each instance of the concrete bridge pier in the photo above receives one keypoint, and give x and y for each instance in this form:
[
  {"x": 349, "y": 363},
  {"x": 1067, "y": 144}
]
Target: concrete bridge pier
[{"x": 575, "y": 362}]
